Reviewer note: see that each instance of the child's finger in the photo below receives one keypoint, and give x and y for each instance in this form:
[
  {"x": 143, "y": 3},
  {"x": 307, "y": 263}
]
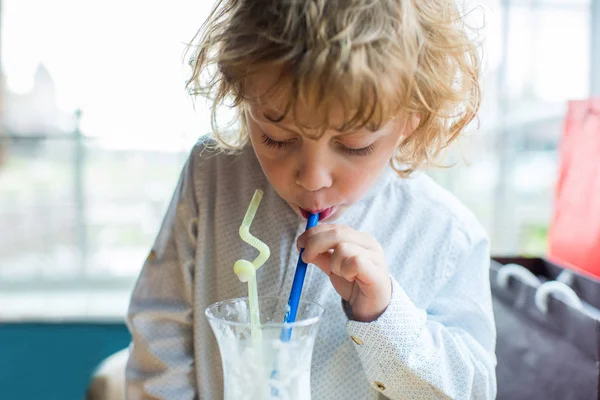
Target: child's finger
[
  {"x": 313, "y": 231},
  {"x": 324, "y": 241},
  {"x": 341, "y": 254},
  {"x": 342, "y": 286},
  {"x": 360, "y": 270},
  {"x": 321, "y": 241},
  {"x": 354, "y": 265},
  {"x": 323, "y": 262}
]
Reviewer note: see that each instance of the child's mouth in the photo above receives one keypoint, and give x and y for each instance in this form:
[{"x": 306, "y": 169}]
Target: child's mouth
[{"x": 323, "y": 214}]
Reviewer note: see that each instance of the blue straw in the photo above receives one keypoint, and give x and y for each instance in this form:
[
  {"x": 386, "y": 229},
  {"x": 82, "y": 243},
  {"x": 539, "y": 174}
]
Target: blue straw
[
  {"x": 296, "y": 292},
  {"x": 290, "y": 315}
]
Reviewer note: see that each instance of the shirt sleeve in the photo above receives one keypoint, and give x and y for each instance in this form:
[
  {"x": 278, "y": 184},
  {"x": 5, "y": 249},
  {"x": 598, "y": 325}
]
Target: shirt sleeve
[
  {"x": 444, "y": 352},
  {"x": 161, "y": 363}
]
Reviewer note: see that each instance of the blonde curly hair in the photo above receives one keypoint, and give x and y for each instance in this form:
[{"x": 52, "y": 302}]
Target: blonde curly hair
[{"x": 376, "y": 59}]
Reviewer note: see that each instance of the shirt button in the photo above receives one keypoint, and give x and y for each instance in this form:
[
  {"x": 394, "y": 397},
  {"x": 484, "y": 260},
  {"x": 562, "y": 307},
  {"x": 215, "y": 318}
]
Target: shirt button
[
  {"x": 379, "y": 385},
  {"x": 151, "y": 256},
  {"x": 356, "y": 340}
]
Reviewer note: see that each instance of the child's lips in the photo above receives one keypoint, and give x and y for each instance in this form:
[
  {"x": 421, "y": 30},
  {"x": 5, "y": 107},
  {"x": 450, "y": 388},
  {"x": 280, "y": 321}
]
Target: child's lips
[{"x": 323, "y": 213}]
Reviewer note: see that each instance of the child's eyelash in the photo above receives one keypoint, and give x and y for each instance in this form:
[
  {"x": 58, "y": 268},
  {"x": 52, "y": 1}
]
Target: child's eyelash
[
  {"x": 365, "y": 151},
  {"x": 267, "y": 141}
]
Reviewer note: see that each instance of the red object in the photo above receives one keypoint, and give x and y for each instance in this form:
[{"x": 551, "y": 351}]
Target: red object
[{"x": 575, "y": 229}]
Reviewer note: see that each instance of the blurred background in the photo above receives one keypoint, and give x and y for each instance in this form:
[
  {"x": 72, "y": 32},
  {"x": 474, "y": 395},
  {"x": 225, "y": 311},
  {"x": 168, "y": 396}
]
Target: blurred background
[{"x": 96, "y": 124}]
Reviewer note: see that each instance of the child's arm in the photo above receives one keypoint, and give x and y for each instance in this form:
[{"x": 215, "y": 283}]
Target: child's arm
[
  {"x": 444, "y": 352},
  {"x": 160, "y": 364}
]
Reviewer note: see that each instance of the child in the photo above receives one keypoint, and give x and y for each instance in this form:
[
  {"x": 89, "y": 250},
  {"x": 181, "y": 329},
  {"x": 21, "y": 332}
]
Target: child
[{"x": 339, "y": 102}]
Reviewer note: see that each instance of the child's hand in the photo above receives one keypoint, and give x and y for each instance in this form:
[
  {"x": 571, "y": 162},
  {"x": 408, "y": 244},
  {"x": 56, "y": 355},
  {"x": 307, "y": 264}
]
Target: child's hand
[{"x": 355, "y": 264}]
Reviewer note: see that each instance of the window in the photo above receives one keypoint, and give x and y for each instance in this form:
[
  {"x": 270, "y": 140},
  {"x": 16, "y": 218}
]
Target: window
[
  {"x": 531, "y": 70},
  {"x": 97, "y": 124}
]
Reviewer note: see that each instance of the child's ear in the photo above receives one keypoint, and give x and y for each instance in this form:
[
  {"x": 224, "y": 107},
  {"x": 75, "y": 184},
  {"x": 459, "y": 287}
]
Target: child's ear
[
  {"x": 407, "y": 125},
  {"x": 412, "y": 123}
]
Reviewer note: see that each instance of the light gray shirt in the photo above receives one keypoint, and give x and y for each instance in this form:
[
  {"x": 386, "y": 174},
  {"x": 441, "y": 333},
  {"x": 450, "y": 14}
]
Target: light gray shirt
[{"x": 435, "y": 340}]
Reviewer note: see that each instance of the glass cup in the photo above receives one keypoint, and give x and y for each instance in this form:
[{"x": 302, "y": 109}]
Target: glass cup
[{"x": 257, "y": 363}]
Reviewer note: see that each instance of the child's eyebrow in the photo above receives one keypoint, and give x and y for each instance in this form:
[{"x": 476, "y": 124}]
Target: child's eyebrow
[
  {"x": 272, "y": 121},
  {"x": 275, "y": 121}
]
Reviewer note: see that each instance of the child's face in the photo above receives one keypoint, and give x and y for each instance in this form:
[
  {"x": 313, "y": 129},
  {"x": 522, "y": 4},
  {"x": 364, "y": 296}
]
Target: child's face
[{"x": 326, "y": 175}]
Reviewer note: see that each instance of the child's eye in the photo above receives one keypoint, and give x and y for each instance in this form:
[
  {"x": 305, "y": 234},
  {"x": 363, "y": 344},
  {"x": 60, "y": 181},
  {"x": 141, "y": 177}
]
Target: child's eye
[
  {"x": 365, "y": 151},
  {"x": 267, "y": 141}
]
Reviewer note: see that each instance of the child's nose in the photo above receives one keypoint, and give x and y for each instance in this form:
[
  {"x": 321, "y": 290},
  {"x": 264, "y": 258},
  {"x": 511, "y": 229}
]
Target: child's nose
[{"x": 313, "y": 175}]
